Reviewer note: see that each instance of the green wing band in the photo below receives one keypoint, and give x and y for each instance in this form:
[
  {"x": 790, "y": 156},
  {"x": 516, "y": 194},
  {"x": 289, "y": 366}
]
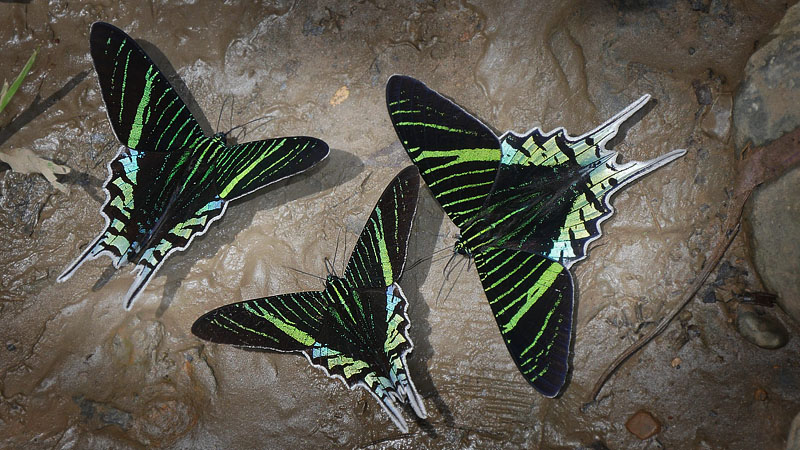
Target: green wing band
[
  {"x": 380, "y": 252},
  {"x": 457, "y": 154},
  {"x": 287, "y": 322},
  {"x": 531, "y": 298},
  {"x": 143, "y": 108}
]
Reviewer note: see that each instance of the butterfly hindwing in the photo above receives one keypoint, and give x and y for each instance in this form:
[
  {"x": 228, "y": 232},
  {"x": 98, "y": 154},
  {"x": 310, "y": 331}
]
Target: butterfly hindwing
[
  {"x": 380, "y": 252},
  {"x": 143, "y": 108},
  {"x": 531, "y": 298},
  {"x": 559, "y": 187},
  {"x": 457, "y": 154}
]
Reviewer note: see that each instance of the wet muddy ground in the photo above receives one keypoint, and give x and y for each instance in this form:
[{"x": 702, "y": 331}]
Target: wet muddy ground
[{"x": 77, "y": 371}]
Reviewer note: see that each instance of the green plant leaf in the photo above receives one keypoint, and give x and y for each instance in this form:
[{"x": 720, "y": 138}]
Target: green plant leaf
[{"x": 9, "y": 92}]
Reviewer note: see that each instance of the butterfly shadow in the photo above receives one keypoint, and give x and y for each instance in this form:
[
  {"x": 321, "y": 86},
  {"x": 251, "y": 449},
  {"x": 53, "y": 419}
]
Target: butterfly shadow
[
  {"x": 629, "y": 123},
  {"x": 168, "y": 70},
  {"x": 240, "y": 214},
  {"x": 39, "y": 106},
  {"x": 429, "y": 217}
]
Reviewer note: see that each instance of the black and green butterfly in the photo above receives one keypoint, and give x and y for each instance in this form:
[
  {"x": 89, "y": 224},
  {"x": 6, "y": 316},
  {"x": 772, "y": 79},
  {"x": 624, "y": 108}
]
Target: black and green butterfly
[
  {"x": 526, "y": 205},
  {"x": 170, "y": 181},
  {"x": 356, "y": 329}
]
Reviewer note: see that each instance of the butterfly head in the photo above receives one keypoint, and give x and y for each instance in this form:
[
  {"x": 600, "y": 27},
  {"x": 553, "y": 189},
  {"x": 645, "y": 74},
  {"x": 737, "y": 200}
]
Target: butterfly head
[
  {"x": 220, "y": 137},
  {"x": 461, "y": 248}
]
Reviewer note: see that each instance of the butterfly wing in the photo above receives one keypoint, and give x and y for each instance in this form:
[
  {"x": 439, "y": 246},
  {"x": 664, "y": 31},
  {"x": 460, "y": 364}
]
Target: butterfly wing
[
  {"x": 531, "y": 298},
  {"x": 219, "y": 174},
  {"x": 558, "y": 188},
  {"x": 158, "y": 134},
  {"x": 144, "y": 110},
  {"x": 457, "y": 154},
  {"x": 365, "y": 344},
  {"x": 287, "y": 322},
  {"x": 380, "y": 253},
  {"x": 244, "y": 168}
]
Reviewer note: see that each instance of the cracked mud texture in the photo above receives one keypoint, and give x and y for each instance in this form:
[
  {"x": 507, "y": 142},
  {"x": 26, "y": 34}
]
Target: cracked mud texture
[{"x": 77, "y": 371}]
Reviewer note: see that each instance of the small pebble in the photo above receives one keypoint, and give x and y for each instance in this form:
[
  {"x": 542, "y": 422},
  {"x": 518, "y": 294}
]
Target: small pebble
[
  {"x": 763, "y": 331},
  {"x": 685, "y": 316},
  {"x": 676, "y": 362},
  {"x": 643, "y": 425},
  {"x": 11, "y": 347},
  {"x": 760, "y": 395}
]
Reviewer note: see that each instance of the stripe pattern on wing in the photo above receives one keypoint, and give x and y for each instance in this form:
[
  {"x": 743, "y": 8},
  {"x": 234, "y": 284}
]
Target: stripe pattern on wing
[
  {"x": 531, "y": 298},
  {"x": 457, "y": 155},
  {"x": 143, "y": 108},
  {"x": 380, "y": 252}
]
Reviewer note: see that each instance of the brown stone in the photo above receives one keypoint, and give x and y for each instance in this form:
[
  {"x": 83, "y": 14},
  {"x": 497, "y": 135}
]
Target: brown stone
[{"x": 643, "y": 425}]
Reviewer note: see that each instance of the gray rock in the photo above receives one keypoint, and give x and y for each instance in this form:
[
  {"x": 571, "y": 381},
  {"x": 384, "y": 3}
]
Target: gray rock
[
  {"x": 764, "y": 109},
  {"x": 763, "y": 331},
  {"x": 765, "y": 106},
  {"x": 774, "y": 218}
]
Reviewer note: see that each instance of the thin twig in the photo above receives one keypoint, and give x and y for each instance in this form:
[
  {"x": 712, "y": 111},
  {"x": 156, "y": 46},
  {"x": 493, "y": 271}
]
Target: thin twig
[{"x": 759, "y": 166}]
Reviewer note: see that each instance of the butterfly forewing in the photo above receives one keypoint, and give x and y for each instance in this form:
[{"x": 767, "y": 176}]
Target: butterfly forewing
[
  {"x": 457, "y": 155},
  {"x": 243, "y": 168},
  {"x": 380, "y": 252},
  {"x": 287, "y": 322},
  {"x": 143, "y": 108},
  {"x": 531, "y": 298}
]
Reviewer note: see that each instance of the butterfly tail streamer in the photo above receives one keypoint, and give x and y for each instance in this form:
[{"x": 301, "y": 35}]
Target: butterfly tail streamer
[
  {"x": 605, "y": 132},
  {"x": 531, "y": 297},
  {"x": 401, "y": 391},
  {"x": 89, "y": 254},
  {"x": 396, "y": 390}
]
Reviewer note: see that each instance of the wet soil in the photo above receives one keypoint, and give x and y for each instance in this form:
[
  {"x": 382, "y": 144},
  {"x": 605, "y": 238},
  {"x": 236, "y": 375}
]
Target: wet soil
[{"x": 77, "y": 371}]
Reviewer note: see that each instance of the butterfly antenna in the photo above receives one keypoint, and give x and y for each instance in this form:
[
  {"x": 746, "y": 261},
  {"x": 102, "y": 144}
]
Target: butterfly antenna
[
  {"x": 336, "y": 250},
  {"x": 429, "y": 258},
  {"x": 329, "y": 267},
  {"x": 444, "y": 270},
  {"x": 221, "y": 108},
  {"x": 460, "y": 271},
  {"x": 344, "y": 249},
  {"x": 447, "y": 278},
  {"x": 230, "y": 119},
  {"x": 267, "y": 118},
  {"x": 306, "y": 273}
]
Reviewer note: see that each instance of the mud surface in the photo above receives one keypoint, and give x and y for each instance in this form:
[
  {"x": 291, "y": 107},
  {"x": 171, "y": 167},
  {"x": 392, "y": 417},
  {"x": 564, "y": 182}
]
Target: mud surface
[{"x": 77, "y": 371}]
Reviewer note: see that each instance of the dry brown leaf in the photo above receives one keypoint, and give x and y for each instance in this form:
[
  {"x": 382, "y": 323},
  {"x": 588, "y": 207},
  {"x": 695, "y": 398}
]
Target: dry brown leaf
[
  {"x": 25, "y": 161},
  {"x": 341, "y": 95}
]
